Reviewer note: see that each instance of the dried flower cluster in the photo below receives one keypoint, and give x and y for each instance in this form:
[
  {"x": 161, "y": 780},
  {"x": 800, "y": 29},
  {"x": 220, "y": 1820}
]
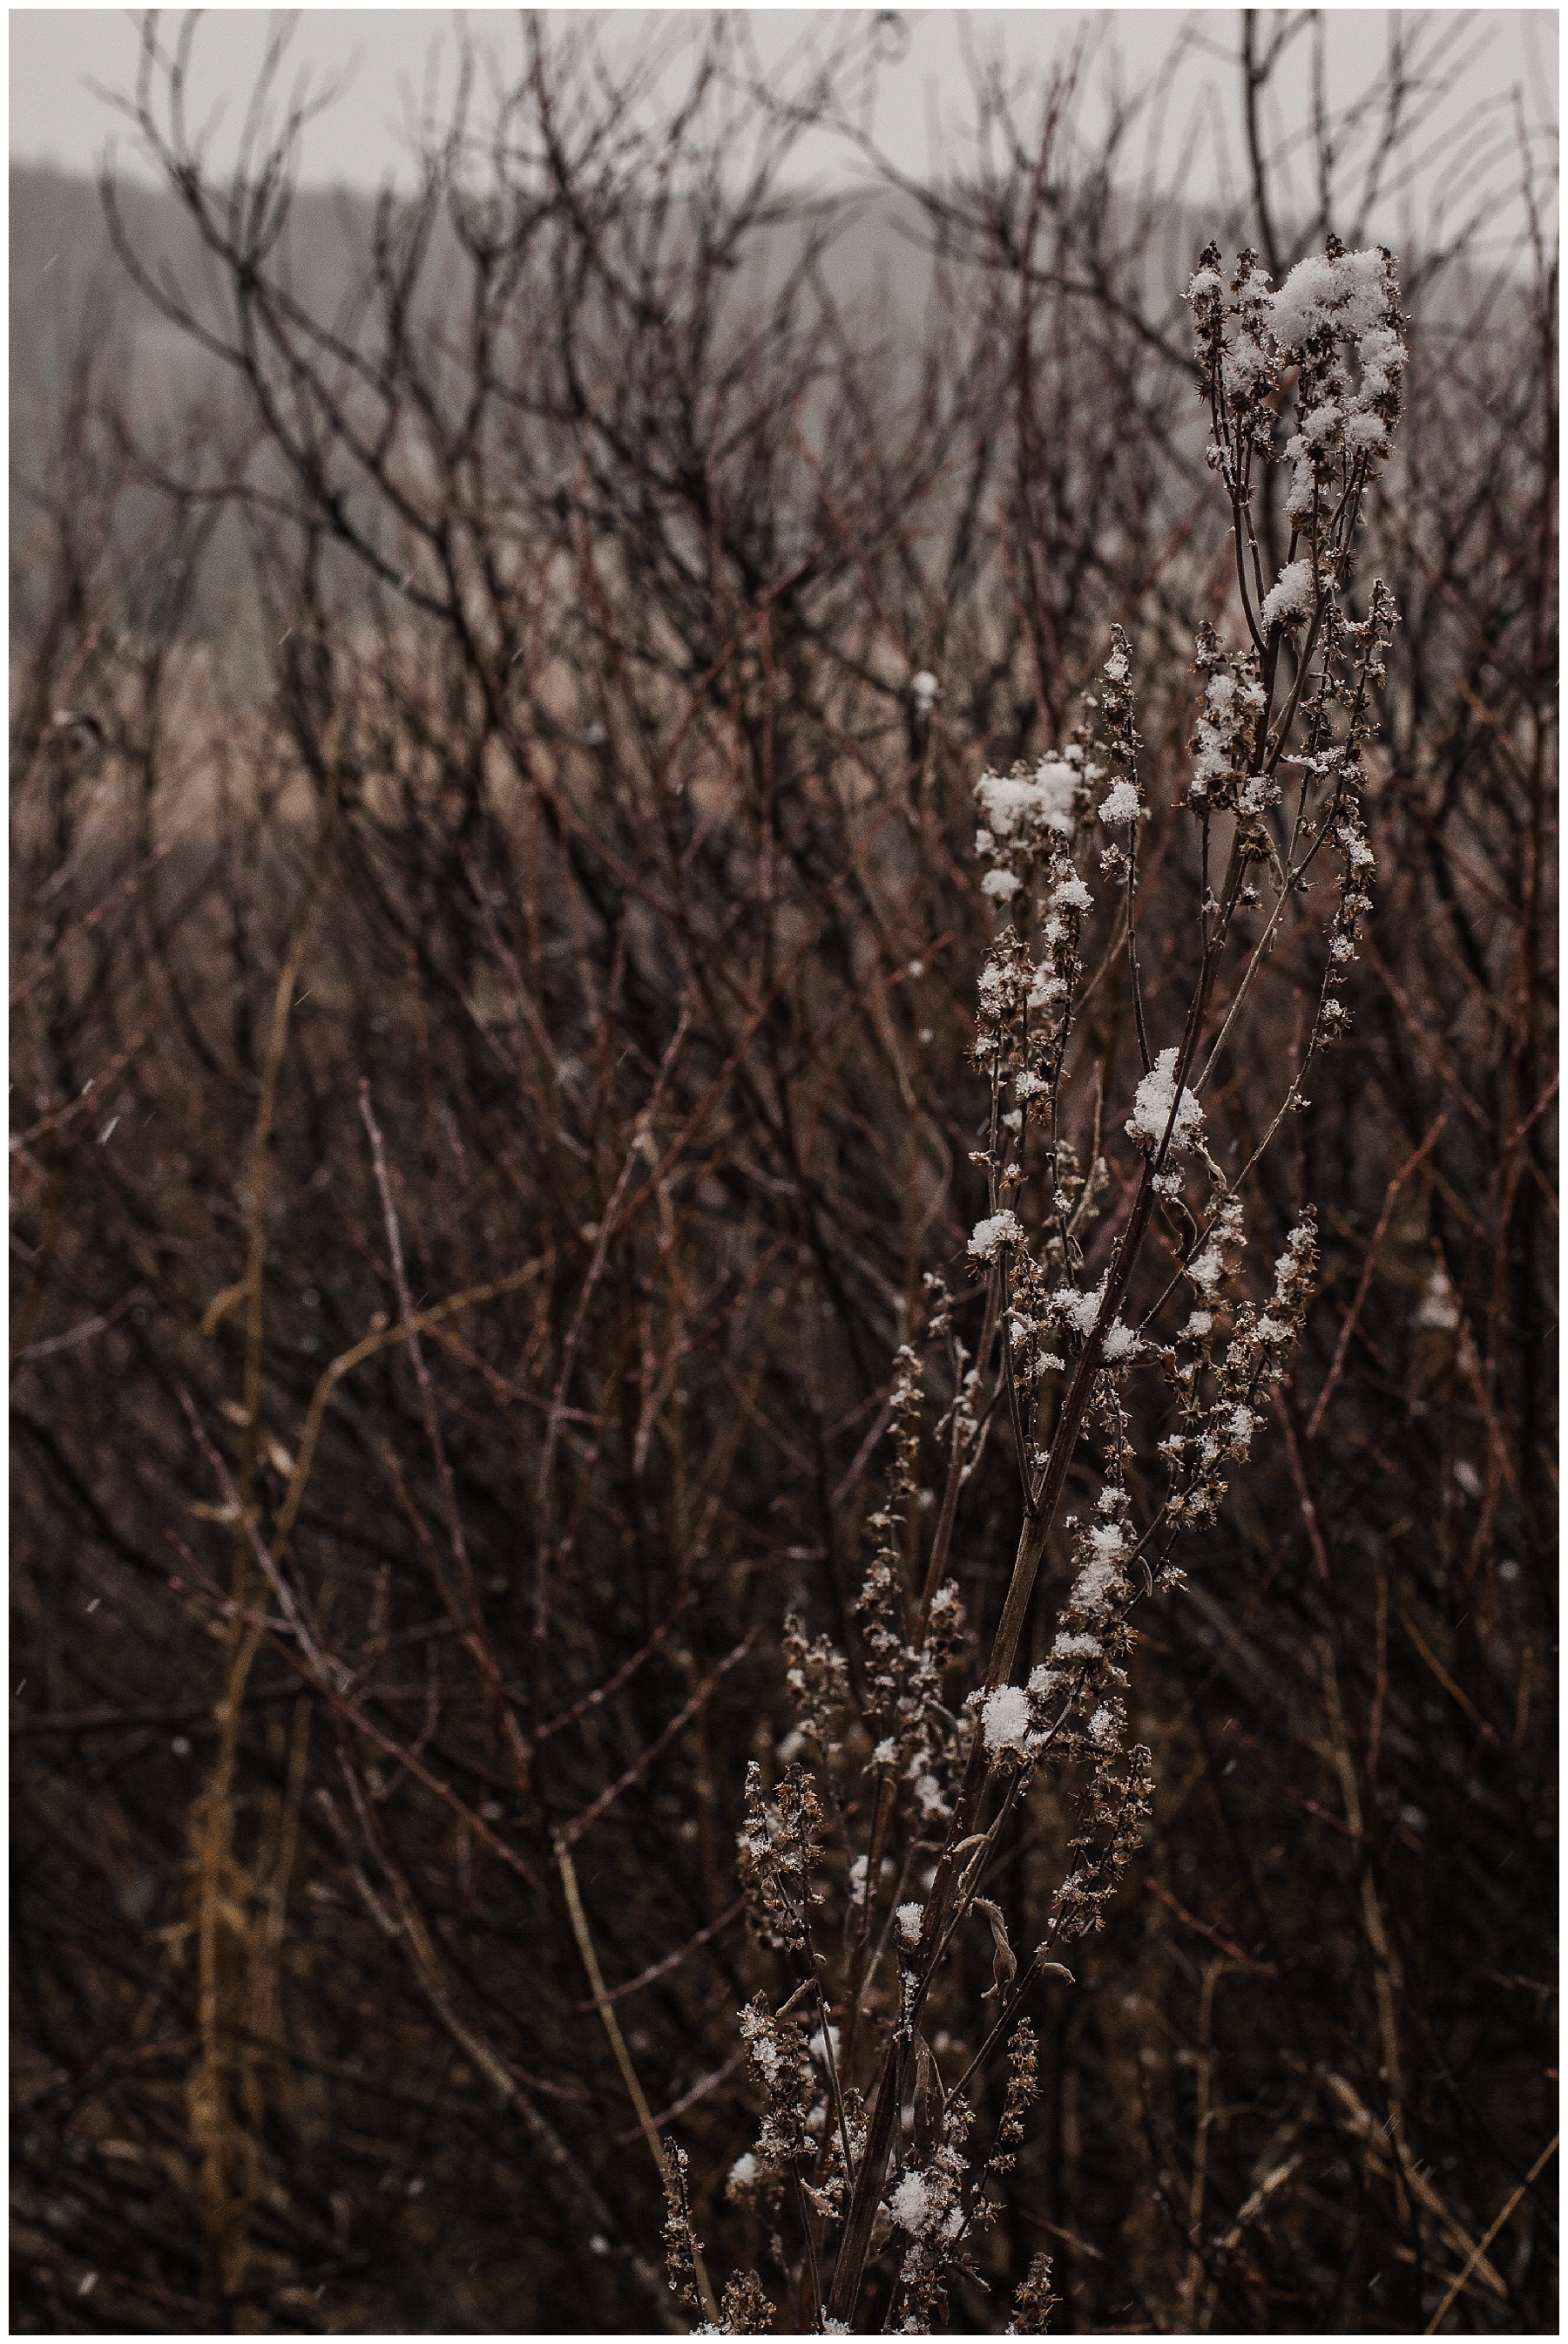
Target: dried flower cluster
[{"x": 886, "y": 2191}]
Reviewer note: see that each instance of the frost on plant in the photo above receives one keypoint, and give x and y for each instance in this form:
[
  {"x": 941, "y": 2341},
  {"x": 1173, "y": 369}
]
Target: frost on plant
[
  {"x": 1291, "y": 600},
  {"x": 990, "y": 1236},
  {"x": 1159, "y": 1116},
  {"x": 1005, "y": 1718},
  {"x": 1125, "y": 1326}
]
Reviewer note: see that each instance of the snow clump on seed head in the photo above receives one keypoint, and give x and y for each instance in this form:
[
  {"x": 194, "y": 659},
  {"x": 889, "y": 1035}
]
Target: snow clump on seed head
[
  {"x": 1151, "y": 1106},
  {"x": 1005, "y": 1718},
  {"x": 911, "y": 2205},
  {"x": 1345, "y": 293},
  {"x": 988, "y": 1236},
  {"x": 1013, "y": 803},
  {"x": 1291, "y": 599}
]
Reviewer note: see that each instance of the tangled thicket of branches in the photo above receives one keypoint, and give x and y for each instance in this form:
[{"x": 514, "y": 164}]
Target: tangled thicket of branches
[{"x": 495, "y": 1074}]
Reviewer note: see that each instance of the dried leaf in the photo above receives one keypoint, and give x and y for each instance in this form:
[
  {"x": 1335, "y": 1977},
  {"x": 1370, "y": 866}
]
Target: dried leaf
[
  {"x": 1004, "y": 1969},
  {"x": 931, "y": 2099}
]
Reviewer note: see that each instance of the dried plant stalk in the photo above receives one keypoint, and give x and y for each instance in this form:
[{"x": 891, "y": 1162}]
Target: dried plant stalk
[{"x": 1274, "y": 795}]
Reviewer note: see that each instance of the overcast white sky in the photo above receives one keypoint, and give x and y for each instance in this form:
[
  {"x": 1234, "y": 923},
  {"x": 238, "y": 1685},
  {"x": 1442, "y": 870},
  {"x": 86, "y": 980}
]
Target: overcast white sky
[{"x": 388, "y": 54}]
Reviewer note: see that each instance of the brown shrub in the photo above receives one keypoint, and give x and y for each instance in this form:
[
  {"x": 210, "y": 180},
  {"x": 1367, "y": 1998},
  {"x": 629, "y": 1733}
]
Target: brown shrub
[{"x": 485, "y": 1105}]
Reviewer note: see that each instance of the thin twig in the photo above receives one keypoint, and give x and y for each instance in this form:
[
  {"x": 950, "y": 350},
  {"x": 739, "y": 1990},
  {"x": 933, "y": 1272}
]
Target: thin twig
[
  {"x": 1478, "y": 2250},
  {"x": 601, "y": 2002}
]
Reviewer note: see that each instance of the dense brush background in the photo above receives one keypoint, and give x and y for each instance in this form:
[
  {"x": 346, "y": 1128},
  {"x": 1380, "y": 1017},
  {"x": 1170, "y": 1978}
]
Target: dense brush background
[{"x": 536, "y": 569}]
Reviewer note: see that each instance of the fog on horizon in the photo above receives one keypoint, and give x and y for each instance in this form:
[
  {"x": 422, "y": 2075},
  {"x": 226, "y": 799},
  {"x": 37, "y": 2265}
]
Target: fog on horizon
[{"x": 390, "y": 69}]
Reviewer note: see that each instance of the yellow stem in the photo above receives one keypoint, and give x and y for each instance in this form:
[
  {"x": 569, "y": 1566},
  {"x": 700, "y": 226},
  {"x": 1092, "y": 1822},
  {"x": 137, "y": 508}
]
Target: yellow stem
[{"x": 623, "y": 2058}]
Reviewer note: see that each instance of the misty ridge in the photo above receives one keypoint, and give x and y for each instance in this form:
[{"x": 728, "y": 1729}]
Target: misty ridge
[
  {"x": 868, "y": 260},
  {"x": 872, "y": 260}
]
